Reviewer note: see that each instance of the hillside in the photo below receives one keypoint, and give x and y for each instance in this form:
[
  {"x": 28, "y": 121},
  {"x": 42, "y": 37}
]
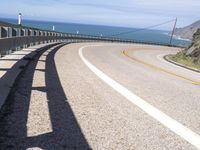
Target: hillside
[
  {"x": 190, "y": 56},
  {"x": 188, "y": 31},
  {"x": 194, "y": 51}
]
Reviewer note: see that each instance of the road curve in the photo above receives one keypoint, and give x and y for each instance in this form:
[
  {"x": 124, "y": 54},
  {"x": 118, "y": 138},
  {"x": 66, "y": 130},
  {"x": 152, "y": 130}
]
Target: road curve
[{"x": 96, "y": 115}]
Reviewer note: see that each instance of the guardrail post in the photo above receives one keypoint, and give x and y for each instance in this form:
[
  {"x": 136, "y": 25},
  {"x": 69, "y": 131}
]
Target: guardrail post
[
  {"x": 39, "y": 35},
  {"x": 56, "y": 37},
  {"x": 0, "y": 39},
  {"x": 9, "y": 35},
  {"x": 18, "y": 32},
  {"x": 42, "y": 37},
  {"x": 4, "y": 34},
  {"x": 29, "y": 32},
  {"x": 29, "y": 35},
  {"x": 9, "y": 32},
  {"x": 13, "y": 33},
  {"x": 45, "y": 36},
  {"x": 51, "y": 37},
  {"x": 0, "y": 32},
  {"x": 25, "y": 34},
  {"x": 36, "y": 35},
  {"x": 48, "y": 34}
]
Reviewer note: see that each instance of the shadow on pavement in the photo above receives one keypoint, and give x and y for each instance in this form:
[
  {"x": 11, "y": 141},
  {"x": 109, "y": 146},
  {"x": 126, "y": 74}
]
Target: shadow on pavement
[{"x": 66, "y": 132}]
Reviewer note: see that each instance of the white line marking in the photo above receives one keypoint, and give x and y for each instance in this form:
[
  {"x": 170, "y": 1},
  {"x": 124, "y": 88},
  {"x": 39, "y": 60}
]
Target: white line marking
[
  {"x": 160, "y": 57},
  {"x": 164, "y": 119}
]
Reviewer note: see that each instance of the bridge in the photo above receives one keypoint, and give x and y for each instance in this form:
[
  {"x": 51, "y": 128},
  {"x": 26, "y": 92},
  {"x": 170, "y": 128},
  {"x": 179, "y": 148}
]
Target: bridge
[
  {"x": 71, "y": 91},
  {"x": 15, "y": 37}
]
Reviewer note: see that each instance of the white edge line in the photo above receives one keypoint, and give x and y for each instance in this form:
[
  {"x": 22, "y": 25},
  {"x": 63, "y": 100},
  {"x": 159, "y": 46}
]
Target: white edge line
[
  {"x": 160, "y": 57},
  {"x": 164, "y": 119}
]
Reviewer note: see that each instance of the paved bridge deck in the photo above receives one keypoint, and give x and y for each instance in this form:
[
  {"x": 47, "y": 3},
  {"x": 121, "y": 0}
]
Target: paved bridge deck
[{"x": 74, "y": 96}]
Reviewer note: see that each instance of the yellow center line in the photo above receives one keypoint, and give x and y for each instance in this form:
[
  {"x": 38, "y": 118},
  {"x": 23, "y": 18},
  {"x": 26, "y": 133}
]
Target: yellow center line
[{"x": 125, "y": 52}]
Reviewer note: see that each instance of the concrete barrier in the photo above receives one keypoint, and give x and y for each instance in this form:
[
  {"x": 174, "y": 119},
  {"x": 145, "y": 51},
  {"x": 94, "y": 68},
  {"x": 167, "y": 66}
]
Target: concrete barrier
[{"x": 15, "y": 37}]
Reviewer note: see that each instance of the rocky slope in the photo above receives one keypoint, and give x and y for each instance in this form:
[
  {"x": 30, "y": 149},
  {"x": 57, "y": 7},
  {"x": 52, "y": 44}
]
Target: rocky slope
[
  {"x": 188, "y": 31},
  {"x": 194, "y": 51},
  {"x": 189, "y": 57}
]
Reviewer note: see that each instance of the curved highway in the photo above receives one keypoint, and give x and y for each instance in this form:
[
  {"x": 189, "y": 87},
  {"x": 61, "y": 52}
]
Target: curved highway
[{"x": 117, "y": 96}]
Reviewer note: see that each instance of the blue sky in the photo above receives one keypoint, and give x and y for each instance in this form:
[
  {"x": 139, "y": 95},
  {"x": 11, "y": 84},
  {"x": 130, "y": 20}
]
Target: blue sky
[{"x": 127, "y": 13}]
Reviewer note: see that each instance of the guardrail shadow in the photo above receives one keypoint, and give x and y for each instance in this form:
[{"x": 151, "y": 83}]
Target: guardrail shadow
[{"x": 66, "y": 132}]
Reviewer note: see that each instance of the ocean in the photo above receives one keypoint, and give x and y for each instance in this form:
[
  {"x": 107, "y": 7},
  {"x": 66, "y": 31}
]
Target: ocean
[{"x": 149, "y": 35}]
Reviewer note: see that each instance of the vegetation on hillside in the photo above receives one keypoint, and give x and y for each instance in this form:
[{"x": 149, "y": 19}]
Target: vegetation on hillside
[{"x": 190, "y": 56}]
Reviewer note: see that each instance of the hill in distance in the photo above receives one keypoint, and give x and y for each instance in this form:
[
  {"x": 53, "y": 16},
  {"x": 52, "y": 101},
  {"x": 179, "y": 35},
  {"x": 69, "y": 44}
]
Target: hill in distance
[{"x": 188, "y": 31}]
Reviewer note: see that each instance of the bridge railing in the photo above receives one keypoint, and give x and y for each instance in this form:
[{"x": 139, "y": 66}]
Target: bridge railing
[{"x": 14, "y": 37}]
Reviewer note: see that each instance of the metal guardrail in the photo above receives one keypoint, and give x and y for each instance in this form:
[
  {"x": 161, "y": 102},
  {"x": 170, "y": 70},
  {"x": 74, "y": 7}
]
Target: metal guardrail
[{"x": 14, "y": 37}]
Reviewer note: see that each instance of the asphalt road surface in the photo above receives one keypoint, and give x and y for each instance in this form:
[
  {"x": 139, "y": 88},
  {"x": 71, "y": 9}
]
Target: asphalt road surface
[{"x": 103, "y": 96}]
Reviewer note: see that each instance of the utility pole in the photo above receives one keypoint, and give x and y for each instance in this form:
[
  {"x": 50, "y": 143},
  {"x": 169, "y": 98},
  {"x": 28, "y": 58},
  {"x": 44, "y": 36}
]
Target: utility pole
[{"x": 173, "y": 31}]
